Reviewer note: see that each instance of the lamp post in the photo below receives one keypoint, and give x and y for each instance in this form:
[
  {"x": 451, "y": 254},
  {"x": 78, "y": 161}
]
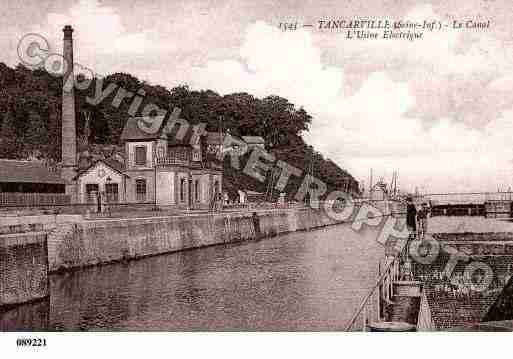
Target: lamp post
[
  {"x": 155, "y": 183},
  {"x": 107, "y": 196},
  {"x": 108, "y": 180}
]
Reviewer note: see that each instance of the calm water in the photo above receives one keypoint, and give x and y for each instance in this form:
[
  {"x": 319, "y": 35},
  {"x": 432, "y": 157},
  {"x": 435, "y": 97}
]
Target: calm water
[{"x": 301, "y": 281}]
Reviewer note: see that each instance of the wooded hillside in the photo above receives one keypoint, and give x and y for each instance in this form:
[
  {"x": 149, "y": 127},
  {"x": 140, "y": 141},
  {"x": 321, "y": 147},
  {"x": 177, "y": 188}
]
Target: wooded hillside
[{"x": 30, "y": 122}]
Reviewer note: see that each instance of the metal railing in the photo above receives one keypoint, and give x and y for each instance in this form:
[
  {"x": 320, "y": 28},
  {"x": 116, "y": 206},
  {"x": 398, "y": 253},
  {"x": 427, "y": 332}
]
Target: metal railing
[
  {"x": 173, "y": 160},
  {"x": 184, "y": 161},
  {"x": 383, "y": 286},
  {"x": 33, "y": 199}
]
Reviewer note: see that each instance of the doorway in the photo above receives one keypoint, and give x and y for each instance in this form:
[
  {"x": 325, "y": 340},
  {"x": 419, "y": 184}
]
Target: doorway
[
  {"x": 91, "y": 192},
  {"x": 112, "y": 192}
]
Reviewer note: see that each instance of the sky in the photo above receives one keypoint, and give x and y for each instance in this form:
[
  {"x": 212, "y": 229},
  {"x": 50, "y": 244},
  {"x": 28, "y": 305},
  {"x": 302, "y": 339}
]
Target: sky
[{"x": 438, "y": 110}]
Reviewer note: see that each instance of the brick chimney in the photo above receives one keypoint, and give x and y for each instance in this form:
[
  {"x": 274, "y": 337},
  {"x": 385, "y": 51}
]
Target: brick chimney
[{"x": 69, "y": 136}]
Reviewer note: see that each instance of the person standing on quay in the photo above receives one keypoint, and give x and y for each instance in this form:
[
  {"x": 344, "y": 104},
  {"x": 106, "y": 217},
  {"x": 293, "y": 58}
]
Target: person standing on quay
[
  {"x": 99, "y": 202},
  {"x": 411, "y": 224},
  {"x": 411, "y": 217},
  {"x": 422, "y": 216}
]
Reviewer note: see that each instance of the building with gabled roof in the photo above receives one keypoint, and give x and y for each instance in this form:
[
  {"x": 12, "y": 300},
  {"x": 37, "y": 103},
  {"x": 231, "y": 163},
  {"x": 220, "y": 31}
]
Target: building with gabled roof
[
  {"x": 106, "y": 176},
  {"x": 24, "y": 183},
  {"x": 159, "y": 166},
  {"x": 172, "y": 171}
]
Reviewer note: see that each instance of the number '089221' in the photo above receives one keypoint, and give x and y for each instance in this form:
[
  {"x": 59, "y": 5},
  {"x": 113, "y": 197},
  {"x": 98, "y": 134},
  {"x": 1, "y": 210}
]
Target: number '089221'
[{"x": 31, "y": 342}]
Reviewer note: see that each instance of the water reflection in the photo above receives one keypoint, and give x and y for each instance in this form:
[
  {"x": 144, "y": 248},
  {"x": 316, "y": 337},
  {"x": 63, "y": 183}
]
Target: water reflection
[
  {"x": 33, "y": 316},
  {"x": 301, "y": 281}
]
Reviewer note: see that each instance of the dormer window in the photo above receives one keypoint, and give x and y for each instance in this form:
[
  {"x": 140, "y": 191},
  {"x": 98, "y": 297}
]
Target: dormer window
[{"x": 140, "y": 156}]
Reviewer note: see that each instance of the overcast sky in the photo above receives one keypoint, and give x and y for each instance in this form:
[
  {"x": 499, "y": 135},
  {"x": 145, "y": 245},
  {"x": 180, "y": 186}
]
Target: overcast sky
[{"x": 439, "y": 110}]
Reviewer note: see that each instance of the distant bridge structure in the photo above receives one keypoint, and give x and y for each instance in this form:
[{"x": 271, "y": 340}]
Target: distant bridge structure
[{"x": 487, "y": 204}]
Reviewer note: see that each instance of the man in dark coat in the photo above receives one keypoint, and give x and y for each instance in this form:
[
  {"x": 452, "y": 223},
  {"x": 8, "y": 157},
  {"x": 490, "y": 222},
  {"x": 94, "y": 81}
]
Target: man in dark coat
[
  {"x": 99, "y": 201},
  {"x": 411, "y": 216},
  {"x": 422, "y": 216}
]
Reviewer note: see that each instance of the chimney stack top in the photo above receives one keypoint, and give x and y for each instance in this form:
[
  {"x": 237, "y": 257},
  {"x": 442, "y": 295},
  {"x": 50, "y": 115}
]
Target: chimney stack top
[{"x": 68, "y": 30}]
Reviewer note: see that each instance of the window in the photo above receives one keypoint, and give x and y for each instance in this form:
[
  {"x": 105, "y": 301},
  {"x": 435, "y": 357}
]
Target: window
[
  {"x": 140, "y": 190},
  {"x": 196, "y": 154},
  {"x": 196, "y": 191},
  {"x": 91, "y": 192},
  {"x": 112, "y": 192},
  {"x": 182, "y": 190},
  {"x": 161, "y": 151},
  {"x": 140, "y": 156}
]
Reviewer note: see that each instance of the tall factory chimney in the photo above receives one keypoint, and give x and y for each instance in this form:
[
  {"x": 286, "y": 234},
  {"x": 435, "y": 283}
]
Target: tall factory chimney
[{"x": 69, "y": 136}]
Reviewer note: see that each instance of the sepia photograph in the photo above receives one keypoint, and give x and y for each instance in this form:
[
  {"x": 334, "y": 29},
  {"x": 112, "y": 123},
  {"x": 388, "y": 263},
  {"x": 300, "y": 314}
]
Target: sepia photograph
[{"x": 243, "y": 167}]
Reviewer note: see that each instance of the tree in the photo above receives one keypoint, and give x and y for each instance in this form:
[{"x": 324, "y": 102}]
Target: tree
[
  {"x": 31, "y": 103},
  {"x": 36, "y": 137},
  {"x": 8, "y": 142}
]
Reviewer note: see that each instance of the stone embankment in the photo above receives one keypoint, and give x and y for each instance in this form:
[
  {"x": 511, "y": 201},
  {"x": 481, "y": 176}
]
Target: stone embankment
[
  {"x": 23, "y": 265},
  {"x": 33, "y": 246},
  {"x": 86, "y": 243}
]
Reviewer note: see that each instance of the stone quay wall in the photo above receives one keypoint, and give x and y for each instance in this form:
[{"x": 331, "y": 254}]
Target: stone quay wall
[
  {"x": 23, "y": 267},
  {"x": 93, "y": 242}
]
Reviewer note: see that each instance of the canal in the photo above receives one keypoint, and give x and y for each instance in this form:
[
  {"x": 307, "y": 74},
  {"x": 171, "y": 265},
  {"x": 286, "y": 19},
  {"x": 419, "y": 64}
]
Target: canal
[{"x": 299, "y": 281}]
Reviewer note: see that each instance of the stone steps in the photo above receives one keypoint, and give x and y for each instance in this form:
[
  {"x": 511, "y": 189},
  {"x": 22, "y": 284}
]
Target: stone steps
[
  {"x": 407, "y": 288},
  {"x": 405, "y": 302},
  {"x": 404, "y": 309}
]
